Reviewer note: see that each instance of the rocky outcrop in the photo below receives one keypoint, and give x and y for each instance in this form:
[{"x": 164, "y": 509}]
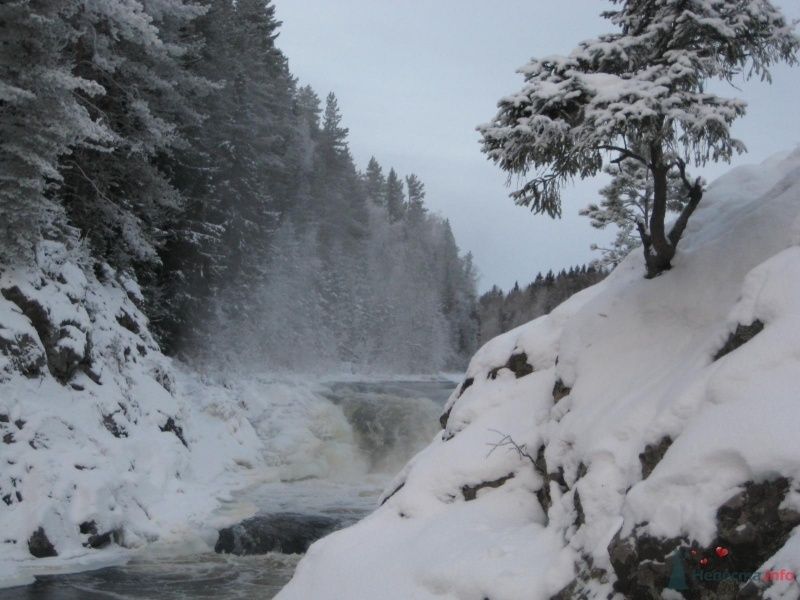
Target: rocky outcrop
[
  {"x": 289, "y": 533},
  {"x": 65, "y": 343},
  {"x": 24, "y": 353},
  {"x": 742, "y": 335},
  {"x": 543, "y": 493},
  {"x": 470, "y": 492},
  {"x": 64, "y": 328},
  {"x": 171, "y": 427},
  {"x": 517, "y": 364},
  {"x": 751, "y": 527},
  {"x": 39, "y": 545},
  {"x": 98, "y": 540},
  {"x": 445, "y": 416},
  {"x": 652, "y": 455},
  {"x": 560, "y": 390}
]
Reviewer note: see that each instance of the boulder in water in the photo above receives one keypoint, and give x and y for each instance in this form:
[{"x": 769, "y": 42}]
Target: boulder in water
[{"x": 289, "y": 533}]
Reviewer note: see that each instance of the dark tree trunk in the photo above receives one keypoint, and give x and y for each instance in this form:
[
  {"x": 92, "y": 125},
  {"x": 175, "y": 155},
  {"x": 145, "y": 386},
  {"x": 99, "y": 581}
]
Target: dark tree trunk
[
  {"x": 660, "y": 251},
  {"x": 695, "y": 191}
]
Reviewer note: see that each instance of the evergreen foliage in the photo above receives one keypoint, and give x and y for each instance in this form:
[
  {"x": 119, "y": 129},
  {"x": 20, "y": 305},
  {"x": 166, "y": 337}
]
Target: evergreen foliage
[
  {"x": 171, "y": 137},
  {"x": 499, "y": 312},
  {"x": 639, "y": 93}
]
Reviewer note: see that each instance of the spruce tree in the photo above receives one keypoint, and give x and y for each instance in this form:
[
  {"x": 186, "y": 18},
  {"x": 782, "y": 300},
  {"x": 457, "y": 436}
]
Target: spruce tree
[
  {"x": 416, "y": 197},
  {"x": 395, "y": 198},
  {"x": 375, "y": 182}
]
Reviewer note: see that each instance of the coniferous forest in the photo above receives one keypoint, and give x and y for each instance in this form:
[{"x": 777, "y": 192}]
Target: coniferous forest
[
  {"x": 171, "y": 141},
  {"x": 500, "y": 311}
]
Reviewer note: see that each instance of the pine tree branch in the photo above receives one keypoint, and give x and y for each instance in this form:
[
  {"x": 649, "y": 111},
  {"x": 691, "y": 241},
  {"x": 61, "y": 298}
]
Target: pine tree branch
[{"x": 625, "y": 154}]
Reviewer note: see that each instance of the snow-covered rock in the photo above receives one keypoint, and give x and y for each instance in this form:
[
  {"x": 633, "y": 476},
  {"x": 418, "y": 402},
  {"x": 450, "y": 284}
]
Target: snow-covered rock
[
  {"x": 100, "y": 447},
  {"x": 641, "y": 439}
]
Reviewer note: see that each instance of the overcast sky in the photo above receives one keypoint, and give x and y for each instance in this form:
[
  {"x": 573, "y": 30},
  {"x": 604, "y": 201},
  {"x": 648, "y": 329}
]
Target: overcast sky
[{"x": 415, "y": 77}]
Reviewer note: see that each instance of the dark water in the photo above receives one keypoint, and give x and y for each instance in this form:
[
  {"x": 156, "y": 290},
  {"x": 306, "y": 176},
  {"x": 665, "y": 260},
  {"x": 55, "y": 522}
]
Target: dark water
[
  {"x": 391, "y": 421},
  {"x": 198, "y": 576}
]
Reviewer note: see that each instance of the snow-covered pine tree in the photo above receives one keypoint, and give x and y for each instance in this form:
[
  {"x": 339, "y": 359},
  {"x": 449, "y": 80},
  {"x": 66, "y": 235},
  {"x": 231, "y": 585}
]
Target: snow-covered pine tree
[
  {"x": 239, "y": 169},
  {"x": 115, "y": 192},
  {"x": 628, "y": 202},
  {"x": 192, "y": 258},
  {"x": 41, "y": 119},
  {"x": 395, "y": 198},
  {"x": 334, "y": 136},
  {"x": 643, "y": 86},
  {"x": 416, "y": 198},
  {"x": 375, "y": 182}
]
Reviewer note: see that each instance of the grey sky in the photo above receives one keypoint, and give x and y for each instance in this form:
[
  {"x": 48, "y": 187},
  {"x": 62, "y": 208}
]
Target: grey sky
[{"x": 415, "y": 77}]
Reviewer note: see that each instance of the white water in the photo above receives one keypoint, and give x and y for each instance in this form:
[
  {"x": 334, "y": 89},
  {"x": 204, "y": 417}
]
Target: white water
[{"x": 335, "y": 449}]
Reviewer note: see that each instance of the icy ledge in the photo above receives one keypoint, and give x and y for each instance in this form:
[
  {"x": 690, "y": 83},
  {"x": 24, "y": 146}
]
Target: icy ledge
[{"x": 655, "y": 424}]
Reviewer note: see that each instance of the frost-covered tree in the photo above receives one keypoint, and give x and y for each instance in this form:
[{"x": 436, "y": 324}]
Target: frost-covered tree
[
  {"x": 41, "y": 119},
  {"x": 645, "y": 86},
  {"x": 395, "y": 198},
  {"x": 416, "y": 197},
  {"x": 239, "y": 170},
  {"x": 375, "y": 182},
  {"x": 333, "y": 134},
  {"x": 115, "y": 192},
  {"x": 169, "y": 138},
  {"x": 627, "y": 203}
]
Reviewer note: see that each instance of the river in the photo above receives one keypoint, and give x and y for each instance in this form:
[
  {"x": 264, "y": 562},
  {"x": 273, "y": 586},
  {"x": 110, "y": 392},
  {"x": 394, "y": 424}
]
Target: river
[{"x": 390, "y": 421}]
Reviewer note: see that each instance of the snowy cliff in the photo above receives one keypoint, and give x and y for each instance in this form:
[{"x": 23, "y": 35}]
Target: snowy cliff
[
  {"x": 100, "y": 447},
  {"x": 641, "y": 439}
]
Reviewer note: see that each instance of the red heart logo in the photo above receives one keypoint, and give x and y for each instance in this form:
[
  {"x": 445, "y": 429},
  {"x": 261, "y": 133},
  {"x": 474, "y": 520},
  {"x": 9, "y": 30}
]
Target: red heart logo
[
  {"x": 703, "y": 562},
  {"x": 721, "y": 551},
  {"x": 694, "y": 552}
]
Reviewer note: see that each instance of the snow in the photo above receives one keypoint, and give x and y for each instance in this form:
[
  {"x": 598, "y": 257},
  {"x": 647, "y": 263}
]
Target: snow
[
  {"x": 246, "y": 436},
  {"x": 68, "y": 466},
  {"x": 638, "y": 355}
]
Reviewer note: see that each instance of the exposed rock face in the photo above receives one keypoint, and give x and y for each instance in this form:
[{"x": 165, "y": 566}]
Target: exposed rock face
[
  {"x": 517, "y": 364},
  {"x": 557, "y": 477},
  {"x": 750, "y": 529},
  {"x": 470, "y": 492},
  {"x": 290, "y": 533},
  {"x": 24, "y": 352},
  {"x": 66, "y": 345},
  {"x": 752, "y": 525},
  {"x": 96, "y": 539},
  {"x": 560, "y": 390},
  {"x": 652, "y": 455},
  {"x": 742, "y": 335},
  {"x": 172, "y": 427},
  {"x": 446, "y": 414},
  {"x": 642, "y": 564},
  {"x": 39, "y": 545}
]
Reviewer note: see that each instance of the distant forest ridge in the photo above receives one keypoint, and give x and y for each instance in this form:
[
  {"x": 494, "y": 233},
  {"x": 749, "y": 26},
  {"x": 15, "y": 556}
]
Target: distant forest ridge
[{"x": 499, "y": 312}]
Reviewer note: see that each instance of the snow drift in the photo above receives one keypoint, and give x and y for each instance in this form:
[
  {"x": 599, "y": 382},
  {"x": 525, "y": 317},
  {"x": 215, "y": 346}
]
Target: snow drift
[{"x": 641, "y": 439}]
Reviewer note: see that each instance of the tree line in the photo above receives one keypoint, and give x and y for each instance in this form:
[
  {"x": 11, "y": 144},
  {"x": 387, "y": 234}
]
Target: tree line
[{"x": 500, "y": 311}]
